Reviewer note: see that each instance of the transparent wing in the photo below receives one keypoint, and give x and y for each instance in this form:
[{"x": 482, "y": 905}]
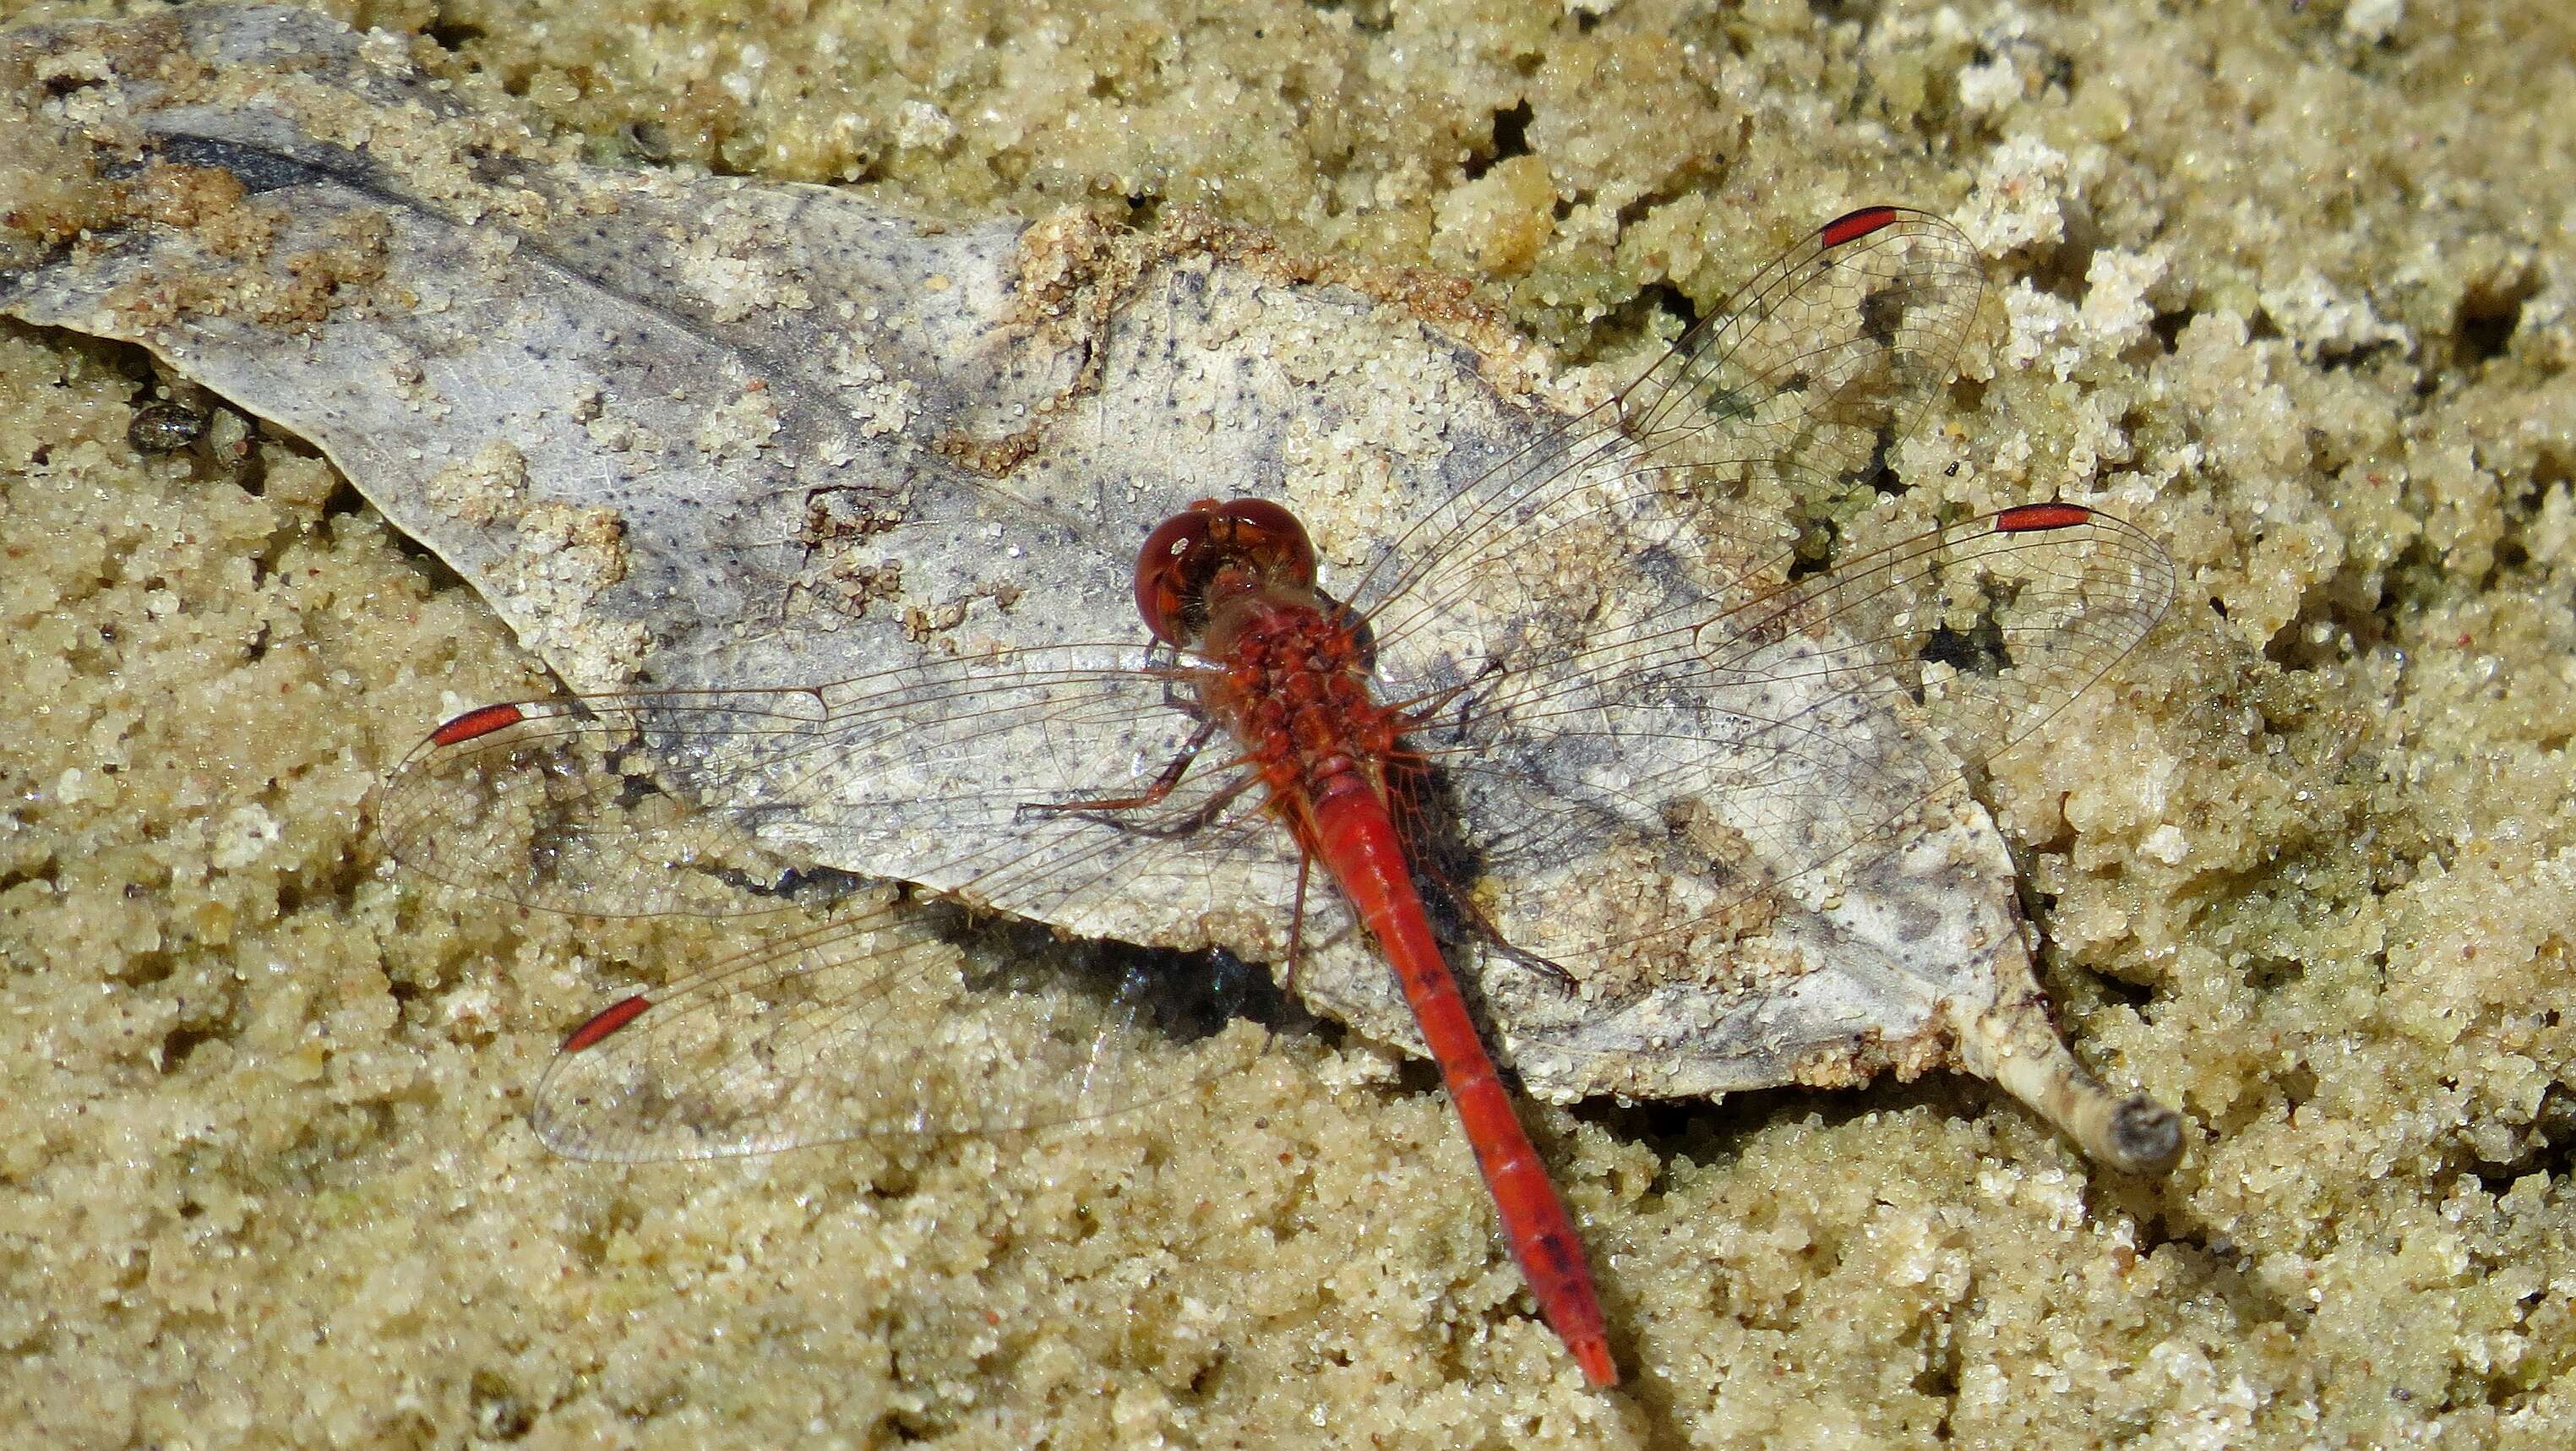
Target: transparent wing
[
  {"x": 884, "y": 1020},
  {"x": 1826, "y": 356},
  {"x": 636, "y": 804},
  {"x": 1646, "y": 723},
  {"x": 870, "y": 1021},
  {"x": 1723, "y": 758}
]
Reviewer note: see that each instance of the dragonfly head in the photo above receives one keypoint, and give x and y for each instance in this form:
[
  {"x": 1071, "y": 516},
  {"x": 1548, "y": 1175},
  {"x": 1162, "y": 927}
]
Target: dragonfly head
[{"x": 1213, "y": 551}]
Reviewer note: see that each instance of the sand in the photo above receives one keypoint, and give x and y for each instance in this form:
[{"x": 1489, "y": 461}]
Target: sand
[{"x": 2294, "y": 289}]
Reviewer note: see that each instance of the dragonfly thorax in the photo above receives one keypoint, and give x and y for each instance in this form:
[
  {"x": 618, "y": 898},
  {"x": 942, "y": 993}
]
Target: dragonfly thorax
[{"x": 1291, "y": 683}]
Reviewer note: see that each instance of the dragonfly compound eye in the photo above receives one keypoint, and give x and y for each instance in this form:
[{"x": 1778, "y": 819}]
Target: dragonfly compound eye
[{"x": 1258, "y": 539}]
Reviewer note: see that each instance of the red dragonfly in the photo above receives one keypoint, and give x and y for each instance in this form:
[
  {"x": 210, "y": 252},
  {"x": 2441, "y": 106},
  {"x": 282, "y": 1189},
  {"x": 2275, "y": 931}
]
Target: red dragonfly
[{"x": 1486, "y": 724}]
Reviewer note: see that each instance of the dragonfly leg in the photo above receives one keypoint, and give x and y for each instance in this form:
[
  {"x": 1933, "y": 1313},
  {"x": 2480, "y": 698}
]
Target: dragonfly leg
[
  {"x": 1297, "y": 924},
  {"x": 1456, "y": 900},
  {"x": 1109, "y": 810},
  {"x": 1418, "y": 713}
]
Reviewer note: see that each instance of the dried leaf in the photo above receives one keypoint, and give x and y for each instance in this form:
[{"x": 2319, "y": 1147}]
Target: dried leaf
[{"x": 696, "y": 433}]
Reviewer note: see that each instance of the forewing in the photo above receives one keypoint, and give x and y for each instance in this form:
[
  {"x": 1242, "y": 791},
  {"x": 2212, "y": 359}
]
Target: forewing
[
  {"x": 559, "y": 804},
  {"x": 1826, "y": 355},
  {"x": 1831, "y": 352},
  {"x": 870, "y": 1020},
  {"x": 643, "y": 803},
  {"x": 1648, "y": 727}
]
